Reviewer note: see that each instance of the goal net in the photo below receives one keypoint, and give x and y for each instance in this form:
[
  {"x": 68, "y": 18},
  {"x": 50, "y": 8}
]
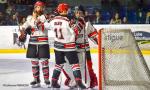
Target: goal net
[{"x": 121, "y": 64}]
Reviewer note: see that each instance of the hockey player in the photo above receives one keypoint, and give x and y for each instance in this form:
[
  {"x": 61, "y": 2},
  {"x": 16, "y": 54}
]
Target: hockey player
[
  {"x": 64, "y": 46},
  {"x": 87, "y": 31},
  {"x": 38, "y": 47}
]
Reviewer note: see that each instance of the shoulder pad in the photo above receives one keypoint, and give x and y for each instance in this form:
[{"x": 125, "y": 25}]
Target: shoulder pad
[
  {"x": 81, "y": 20},
  {"x": 42, "y": 18},
  {"x": 29, "y": 18}
]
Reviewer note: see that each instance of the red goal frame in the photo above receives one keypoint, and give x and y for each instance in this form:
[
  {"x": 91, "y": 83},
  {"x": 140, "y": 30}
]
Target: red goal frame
[{"x": 100, "y": 60}]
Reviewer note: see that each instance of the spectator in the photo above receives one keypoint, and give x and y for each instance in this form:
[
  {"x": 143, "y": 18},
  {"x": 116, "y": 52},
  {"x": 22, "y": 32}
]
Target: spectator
[
  {"x": 3, "y": 4},
  {"x": 3, "y": 1},
  {"x": 22, "y": 2},
  {"x": 124, "y": 20},
  {"x": 115, "y": 19},
  {"x": 87, "y": 17},
  {"x": 2, "y": 19},
  {"x": 148, "y": 18},
  {"x": 13, "y": 20},
  {"x": 23, "y": 21},
  {"x": 140, "y": 17},
  {"x": 97, "y": 19},
  {"x": 7, "y": 19},
  {"x": 115, "y": 4},
  {"x": 18, "y": 1},
  {"x": 10, "y": 9}
]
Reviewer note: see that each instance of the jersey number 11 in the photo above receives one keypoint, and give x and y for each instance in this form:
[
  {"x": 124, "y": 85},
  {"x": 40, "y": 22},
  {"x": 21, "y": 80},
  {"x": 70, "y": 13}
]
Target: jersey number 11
[{"x": 59, "y": 34}]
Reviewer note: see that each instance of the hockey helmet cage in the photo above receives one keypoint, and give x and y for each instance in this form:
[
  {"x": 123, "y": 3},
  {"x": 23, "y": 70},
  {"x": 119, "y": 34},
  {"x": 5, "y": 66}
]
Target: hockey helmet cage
[{"x": 80, "y": 8}]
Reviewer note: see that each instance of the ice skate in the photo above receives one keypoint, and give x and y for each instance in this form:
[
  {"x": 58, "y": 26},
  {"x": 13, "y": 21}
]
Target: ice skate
[
  {"x": 93, "y": 82},
  {"x": 80, "y": 85},
  {"x": 35, "y": 83},
  {"x": 47, "y": 82},
  {"x": 55, "y": 85}
]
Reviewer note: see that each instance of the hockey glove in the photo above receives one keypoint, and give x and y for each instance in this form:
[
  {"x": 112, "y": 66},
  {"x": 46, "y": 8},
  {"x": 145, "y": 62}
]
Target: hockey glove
[{"x": 22, "y": 37}]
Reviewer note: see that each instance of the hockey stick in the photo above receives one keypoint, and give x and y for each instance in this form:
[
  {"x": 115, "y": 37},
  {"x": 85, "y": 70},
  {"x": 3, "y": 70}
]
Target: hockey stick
[
  {"x": 20, "y": 30},
  {"x": 84, "y": 54}
]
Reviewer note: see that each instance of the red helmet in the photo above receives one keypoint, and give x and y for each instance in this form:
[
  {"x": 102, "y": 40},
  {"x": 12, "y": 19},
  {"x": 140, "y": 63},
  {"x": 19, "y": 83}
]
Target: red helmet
[
  {"x": 39, "y": 3},
  {"x": 62, "y": 7}
]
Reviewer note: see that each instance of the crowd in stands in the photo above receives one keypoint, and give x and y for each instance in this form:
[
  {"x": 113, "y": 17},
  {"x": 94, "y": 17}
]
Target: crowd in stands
[{"x": 14, "y": 12}]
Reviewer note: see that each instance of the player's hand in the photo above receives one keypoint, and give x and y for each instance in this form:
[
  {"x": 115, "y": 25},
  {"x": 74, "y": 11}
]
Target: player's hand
[
  {"x": 39, "y": 23},
  {"x": 22, "y": 37},
  {"x": 28, "y": 30},
  {"x": 72, "y": 22}
]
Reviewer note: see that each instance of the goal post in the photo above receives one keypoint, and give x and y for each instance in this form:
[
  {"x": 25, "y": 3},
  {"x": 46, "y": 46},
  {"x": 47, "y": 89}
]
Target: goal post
[{"x": 121, "y": 63}]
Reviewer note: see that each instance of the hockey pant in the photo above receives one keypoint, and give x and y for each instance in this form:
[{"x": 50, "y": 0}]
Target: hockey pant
[
  {"x": 36, "y": 68},
  {"x": 72, "y": 60},
  {"x": 75, "y": 69}
]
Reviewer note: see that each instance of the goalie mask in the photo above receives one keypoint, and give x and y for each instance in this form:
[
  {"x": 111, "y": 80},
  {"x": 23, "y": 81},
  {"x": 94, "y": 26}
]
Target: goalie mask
[{"x": 79, "y": 11}]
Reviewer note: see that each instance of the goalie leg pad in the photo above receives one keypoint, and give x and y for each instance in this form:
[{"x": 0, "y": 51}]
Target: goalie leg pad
[
  {"x": 93, "y": 78},
  {"x": 68, "y": 79}
]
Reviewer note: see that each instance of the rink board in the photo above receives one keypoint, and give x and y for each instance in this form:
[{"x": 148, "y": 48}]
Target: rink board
[
  {"x": 9, "y": 36},
  {"x": 13, "y": 51}
]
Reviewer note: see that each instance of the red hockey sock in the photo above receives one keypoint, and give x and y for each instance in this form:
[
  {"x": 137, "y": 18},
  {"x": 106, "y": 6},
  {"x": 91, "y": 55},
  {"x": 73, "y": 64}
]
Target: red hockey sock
[
  {"x": 45, "y": 69},
  {"x": 56, "y": 72},
  {"x": 76, "y": 71},
  {"x": 35, "y": 69}
]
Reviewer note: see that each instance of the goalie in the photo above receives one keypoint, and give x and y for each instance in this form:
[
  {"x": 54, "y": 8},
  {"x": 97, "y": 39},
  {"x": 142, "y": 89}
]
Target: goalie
[{"x": 86, "y": 31}]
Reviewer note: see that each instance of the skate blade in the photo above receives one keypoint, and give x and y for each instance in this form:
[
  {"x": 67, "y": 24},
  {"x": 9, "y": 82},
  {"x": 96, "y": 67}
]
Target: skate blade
[
  {"x": 55, "y": 89},
  {"x": 48, "y": 86},
  {"x": 72, "y": 87},
  {"x": 94, "y": 88},
  {"x": 36, "y": 86},
  {"x": 78, "y": 88}
]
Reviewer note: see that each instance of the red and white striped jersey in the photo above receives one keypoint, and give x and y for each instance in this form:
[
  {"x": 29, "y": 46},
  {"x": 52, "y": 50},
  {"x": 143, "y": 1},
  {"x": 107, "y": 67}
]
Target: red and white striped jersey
[
  {"x": 64, "y": 34},
  {"x": 39, "y": 35},
  {"x": 82, "y": 40}
]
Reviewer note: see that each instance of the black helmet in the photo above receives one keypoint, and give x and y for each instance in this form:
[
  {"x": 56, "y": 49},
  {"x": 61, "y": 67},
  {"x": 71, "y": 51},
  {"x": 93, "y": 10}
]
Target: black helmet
[{"x": 80, "y": 8}]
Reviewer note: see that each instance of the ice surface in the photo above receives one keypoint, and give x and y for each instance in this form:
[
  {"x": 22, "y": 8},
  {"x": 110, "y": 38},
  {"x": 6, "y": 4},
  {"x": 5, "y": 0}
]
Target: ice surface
[{"x": 15, "y": 72}]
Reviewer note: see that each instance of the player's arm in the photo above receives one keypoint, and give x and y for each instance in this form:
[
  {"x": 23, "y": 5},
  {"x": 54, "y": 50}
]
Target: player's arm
[
  {"x": 25, "y": 29},
  {"x": 78, "y": 25},
  {"x": 47, "y": 25},
  {"x": 73, "y": 34},
  {"x": 92, "y": 33}
]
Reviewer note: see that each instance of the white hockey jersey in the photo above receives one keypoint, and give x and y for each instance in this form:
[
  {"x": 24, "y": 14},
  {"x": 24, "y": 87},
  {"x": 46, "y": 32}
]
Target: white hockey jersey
[
  {"x": 82, "y": 40},
  {"x": 64, "y": 34},
  {"x": 39, "y": 35}
]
